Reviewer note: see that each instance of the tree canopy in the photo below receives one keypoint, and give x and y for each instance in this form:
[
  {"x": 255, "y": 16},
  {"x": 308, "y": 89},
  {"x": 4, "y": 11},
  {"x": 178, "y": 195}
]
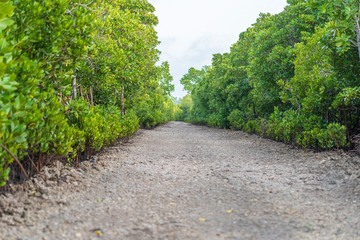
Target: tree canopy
[
  {"x": 293, "y": 77},
  {"x": 76, "y": 76}
]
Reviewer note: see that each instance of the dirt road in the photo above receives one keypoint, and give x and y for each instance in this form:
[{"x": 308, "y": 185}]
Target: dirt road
[{"x": 181, "y": 181}]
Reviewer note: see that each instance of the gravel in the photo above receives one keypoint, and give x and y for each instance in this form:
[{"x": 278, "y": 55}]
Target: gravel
[{"x": 181, "y": 181}]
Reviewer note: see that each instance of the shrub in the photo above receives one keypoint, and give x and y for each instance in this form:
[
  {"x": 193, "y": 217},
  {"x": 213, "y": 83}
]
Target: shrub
[
  {"x": 284, "y": 126},
  {"x": 334, "y": 136},
  {"x": 307, "y": 131},
  {"x": 236, "y": 119},
  {"x": 257, "y": 126},
  {"x": 214, "y": 120},
  {"x": 99, "y": 126}
]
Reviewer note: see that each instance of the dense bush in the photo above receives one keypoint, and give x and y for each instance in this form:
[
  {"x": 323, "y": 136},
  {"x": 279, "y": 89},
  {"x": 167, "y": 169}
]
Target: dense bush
[
  {"x": 99, "y": 126},
  {"x": 292, "y": 77},
  {"x": 236, "y": 119},
  {"x": 72, "y": 78}
]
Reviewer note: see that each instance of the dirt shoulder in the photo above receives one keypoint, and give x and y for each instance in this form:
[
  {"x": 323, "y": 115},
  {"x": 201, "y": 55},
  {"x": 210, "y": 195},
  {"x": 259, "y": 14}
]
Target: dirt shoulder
[{"x": 181, "y": 181}]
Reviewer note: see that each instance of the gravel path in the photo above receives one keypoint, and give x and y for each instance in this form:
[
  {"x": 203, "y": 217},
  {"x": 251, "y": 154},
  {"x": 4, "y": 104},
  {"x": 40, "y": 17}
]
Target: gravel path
[{"x": 181, "y": 181}]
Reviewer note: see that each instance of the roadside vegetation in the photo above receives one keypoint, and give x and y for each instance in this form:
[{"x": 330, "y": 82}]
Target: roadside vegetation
[
  {"x": 292, "y": 77},
  {"x": 76, "y": 76}
]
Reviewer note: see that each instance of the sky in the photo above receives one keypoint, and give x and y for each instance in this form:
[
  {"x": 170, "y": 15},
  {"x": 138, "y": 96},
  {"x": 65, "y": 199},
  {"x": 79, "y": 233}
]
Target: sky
[{"x": 191, "y": 31}]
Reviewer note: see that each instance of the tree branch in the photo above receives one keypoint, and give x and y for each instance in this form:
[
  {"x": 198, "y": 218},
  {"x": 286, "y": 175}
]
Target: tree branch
[
  {"x": 15, "y": 158},
  {"x": 357, "y": 29},
  {"x": 82, "y": 5}
]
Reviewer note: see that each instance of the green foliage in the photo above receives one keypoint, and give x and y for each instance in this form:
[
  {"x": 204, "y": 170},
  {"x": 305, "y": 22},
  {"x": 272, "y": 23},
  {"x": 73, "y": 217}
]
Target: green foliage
[
  {"x": 166, "y": 79},
  {"x": 342, "y": 17},
  {"x": 257, "y": 126},
  {"x": 32, "y": 119},
  {"x": 185, "y": 106},
  {"x": 148, "y": 114},
  {"x": 214, "y": 120},
  {"x": 56, "y": 33},
  {"x": 99, "y": 126},
  {"x": 283, "y": 126},
  {"x": 236, "y": 119},
  {"x": 11, "y": 130},
  {"x": 74, "y": 76},
  {"x": 49, "y": 131},
  {"x": 292, "y": 77},
  {"x": 333, "y": 136},
  {"x": 349, "y": 97},
  {"x": 41, "y": 63},
  {"x": 125, "y": 43},
  {"x": 154, "y": 109},
  {"x": 192, "y": 77}
]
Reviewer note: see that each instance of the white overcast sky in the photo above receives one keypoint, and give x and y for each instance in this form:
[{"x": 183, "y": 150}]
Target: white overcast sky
[{"x": 191, "y": 31}]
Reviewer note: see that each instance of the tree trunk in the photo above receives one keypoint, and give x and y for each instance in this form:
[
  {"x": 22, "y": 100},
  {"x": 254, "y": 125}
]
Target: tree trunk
[
  {"x": 91, "y": 96},
  {"x": 82, "y": 94},
  {"x": 74, "y": 88},
  {"x": 122, "y": 100},
  {"x": 254, "y": 110},
  {"x": 87, "y": 94},
  {"x": 357, "y": 29}
]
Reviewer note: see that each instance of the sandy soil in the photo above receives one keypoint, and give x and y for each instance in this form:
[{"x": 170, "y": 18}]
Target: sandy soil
[{"x": 181, "y": 181}]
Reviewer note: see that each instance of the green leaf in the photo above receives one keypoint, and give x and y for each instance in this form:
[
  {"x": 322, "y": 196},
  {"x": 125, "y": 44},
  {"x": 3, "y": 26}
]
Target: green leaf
[
  {"x": 17, "y": 102},
  {"x": 4, "y": 23},
  {"x": 21, "y": 138}
]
